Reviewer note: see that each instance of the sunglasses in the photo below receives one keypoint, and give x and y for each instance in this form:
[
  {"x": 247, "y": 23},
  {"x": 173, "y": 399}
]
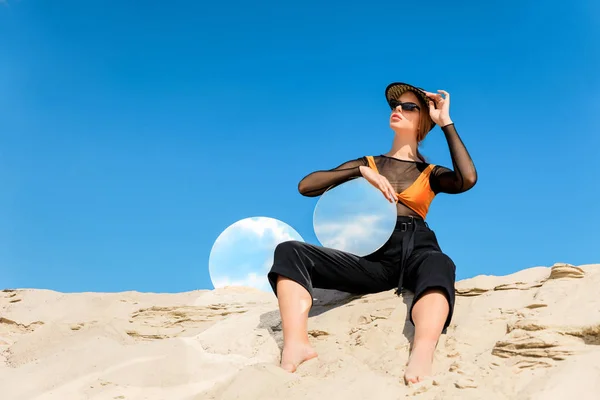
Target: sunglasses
[{"x": 407, "y": 106}]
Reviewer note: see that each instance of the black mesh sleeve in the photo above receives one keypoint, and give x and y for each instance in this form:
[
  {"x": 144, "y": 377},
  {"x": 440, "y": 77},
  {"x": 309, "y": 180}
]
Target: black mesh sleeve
[
  {"x": 464, "y": 175},
  {"x": 318, "y": 182}
]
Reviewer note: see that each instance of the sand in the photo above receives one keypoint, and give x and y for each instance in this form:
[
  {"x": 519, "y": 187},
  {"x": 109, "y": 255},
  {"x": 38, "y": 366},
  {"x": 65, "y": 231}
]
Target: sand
[{"x": 534, "y": 334}]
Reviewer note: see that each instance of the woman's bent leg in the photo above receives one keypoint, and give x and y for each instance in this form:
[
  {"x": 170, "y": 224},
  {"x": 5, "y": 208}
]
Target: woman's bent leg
[
  {"x": 428, "y": 314},
  {"x": 432, "y": 279},
  {"x": 299, "y": 267},
  {"x": 294, "y": 304}
]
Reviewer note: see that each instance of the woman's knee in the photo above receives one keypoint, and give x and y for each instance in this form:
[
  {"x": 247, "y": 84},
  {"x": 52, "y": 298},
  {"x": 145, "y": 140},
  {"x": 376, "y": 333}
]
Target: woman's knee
[
  {"x": 285, "y": 250},
  {"x": 445, "y": 309},
  {"x": 443, "y": 258},
  {"x": 288, "y": 263},
  {"x": 437, "y": 274},
  {"x": 438, "y": 263}
]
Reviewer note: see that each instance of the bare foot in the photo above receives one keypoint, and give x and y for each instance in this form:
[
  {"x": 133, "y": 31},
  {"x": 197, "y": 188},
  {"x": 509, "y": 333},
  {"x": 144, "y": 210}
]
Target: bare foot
[
  {"x": 295, "y": 354},
  {"x": 419, "y": 364}
]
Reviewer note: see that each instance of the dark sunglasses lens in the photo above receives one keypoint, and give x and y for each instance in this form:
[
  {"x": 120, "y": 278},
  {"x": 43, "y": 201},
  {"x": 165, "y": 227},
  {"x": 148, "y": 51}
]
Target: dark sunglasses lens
[{"x": 405, "y": 106}]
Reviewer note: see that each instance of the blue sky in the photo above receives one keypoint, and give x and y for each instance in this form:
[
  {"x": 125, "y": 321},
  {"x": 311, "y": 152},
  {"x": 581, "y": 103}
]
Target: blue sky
[{"x": 132, "y": 135}]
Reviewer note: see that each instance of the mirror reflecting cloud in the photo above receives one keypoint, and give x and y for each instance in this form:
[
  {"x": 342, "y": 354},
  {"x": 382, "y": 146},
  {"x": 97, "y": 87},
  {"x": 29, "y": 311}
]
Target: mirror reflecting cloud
[
  {"x": 354, "y": 217},
  {"x": 243, "y": 253}
]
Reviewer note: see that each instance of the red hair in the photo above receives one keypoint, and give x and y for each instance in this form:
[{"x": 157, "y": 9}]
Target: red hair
[{"x": 425, "y": 125}]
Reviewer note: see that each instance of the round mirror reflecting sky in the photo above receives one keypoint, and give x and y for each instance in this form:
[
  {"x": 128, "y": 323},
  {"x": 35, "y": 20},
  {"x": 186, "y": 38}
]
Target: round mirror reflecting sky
[
  {"x": 354, "y": 217},
  {"x": 242, "y": 255}
]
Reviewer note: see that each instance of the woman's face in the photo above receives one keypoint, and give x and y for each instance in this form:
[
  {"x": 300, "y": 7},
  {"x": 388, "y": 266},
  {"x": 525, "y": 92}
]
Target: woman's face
[{"x": 406, "y": 114}]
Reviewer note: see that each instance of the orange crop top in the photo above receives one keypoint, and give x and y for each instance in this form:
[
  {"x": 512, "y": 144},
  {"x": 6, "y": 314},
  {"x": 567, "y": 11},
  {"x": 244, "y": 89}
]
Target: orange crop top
[{"x": 418, "y": 195}]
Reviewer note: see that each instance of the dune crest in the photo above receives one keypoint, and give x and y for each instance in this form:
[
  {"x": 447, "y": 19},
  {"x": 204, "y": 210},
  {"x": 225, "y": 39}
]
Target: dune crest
[{"x": 534, "y": 334}]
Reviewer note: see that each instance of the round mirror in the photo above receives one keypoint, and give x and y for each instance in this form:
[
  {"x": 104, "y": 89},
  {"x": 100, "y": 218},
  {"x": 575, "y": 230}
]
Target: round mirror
[
  {"x": 354, "y": 217},
  {"x": 242, "y": 255}
]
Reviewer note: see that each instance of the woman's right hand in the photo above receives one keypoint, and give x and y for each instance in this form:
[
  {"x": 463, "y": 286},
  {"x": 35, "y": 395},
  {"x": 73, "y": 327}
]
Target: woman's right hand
[{"x": 380, "y": 182}]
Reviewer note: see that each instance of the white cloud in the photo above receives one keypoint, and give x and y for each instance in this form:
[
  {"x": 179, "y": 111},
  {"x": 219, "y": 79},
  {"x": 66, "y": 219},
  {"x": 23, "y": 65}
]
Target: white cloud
[
  {"x": 258, "y": 229},
  {"x": 360, "y": 235},
  {"x": 269, "y": 262},
  {"x": 251, "y": 280},
  {"x": 356, "y": 224},
  {"x": 262, "y": 226}
]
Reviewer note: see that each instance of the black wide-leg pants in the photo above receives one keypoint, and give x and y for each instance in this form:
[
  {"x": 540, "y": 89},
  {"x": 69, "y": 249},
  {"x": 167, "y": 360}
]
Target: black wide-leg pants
[{"x": 410, "y": 259}]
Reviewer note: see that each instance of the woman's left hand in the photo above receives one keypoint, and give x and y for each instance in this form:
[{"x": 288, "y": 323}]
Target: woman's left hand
[{"x": 440, "y": 113}]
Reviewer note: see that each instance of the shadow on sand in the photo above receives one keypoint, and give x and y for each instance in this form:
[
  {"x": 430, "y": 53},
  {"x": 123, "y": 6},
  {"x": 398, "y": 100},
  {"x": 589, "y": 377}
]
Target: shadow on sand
[{"x": 326, "y": 300}]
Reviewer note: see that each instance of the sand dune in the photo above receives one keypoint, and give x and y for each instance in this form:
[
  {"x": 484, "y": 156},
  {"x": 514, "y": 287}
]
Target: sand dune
[{"x": 534, "y": 334}]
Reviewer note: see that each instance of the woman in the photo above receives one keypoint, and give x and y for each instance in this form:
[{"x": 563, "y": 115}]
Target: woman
[{"x": 411, "y": 258}]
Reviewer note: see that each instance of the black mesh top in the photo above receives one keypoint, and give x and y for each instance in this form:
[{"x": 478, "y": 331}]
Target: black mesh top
[{"x": 416, "y": 182}]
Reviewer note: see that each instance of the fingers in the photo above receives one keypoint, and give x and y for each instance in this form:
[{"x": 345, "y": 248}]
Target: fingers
[
  {"x": 387, "y": 193},
  {"x": 438, "y": 96},
  {"x": 387, "y": 190},
  {"x": 435, "y": 100},
  {"x": 392, "y": 194},
  {"x": 446, "y": 96},
  {"x": 391, "y": 189},
  {"x": 431, "y": 106},
  {"x": 384, "y": 189},
  {"x": 434, "y": 96},
  {"x": 380, "y": 182}
]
